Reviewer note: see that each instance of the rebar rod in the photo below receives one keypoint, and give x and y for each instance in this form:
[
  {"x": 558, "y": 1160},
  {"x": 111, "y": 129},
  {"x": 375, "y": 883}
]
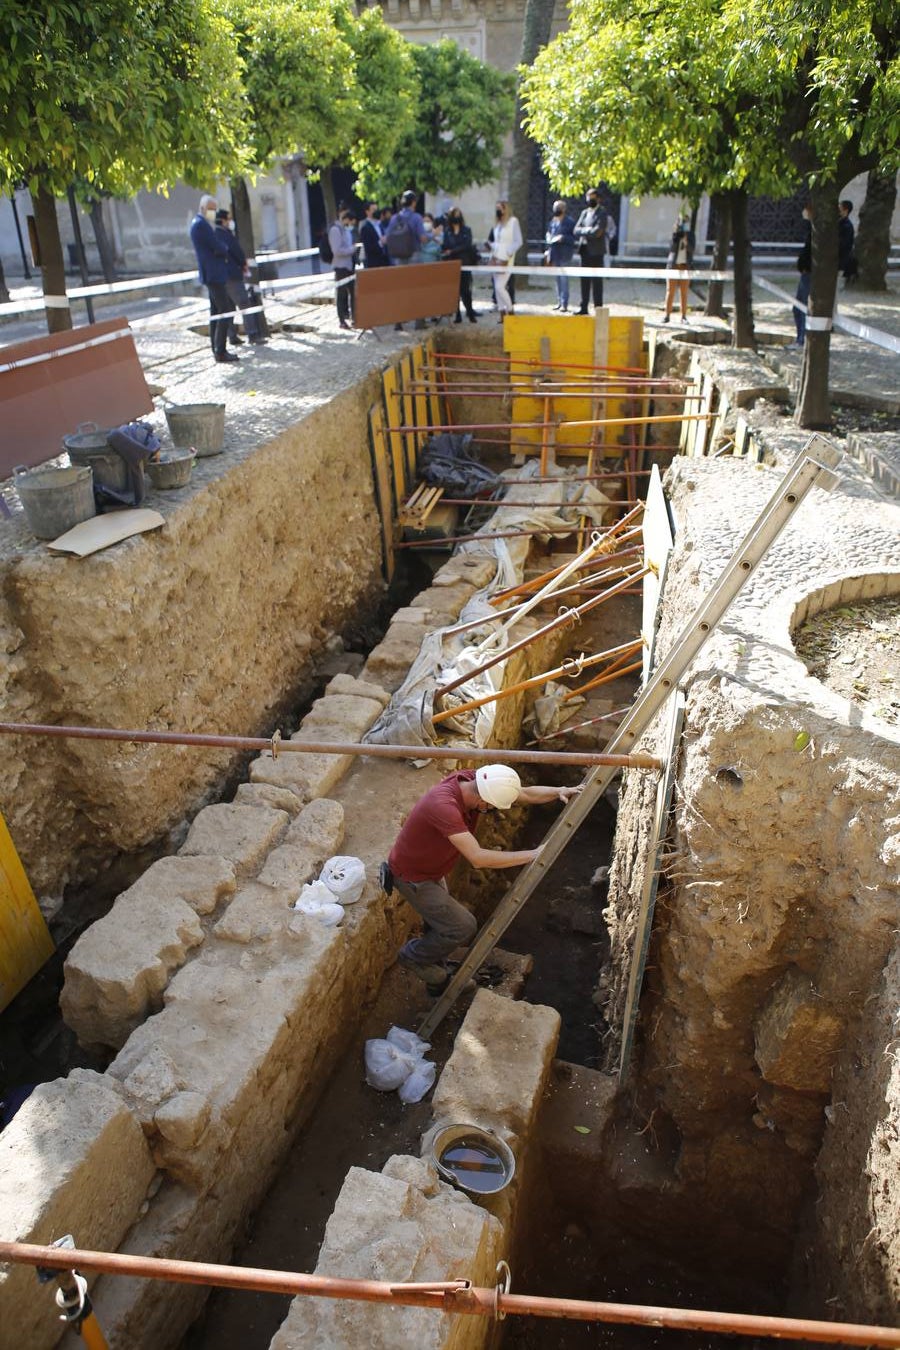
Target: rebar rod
[
  {"x": 535, "y": 583},
  {"x": 556, "y": 532},
  {"x": 615, "y": 671},
  {"x": 539, "y": 426},
  {"x": 494, "y": 755},
  {"x": 573, "y": 615},
  {"x": 578, "y": 589},
  {"x": 563, "y": 672},
  {"x": 583, "y": 396},
  {"x": 456, "y": 1296},
  {"x": 535, "y": 363},
  {"x": 579, "y": 726}
]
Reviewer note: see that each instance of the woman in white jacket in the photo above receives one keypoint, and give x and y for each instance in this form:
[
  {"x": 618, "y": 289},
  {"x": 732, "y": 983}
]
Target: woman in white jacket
[{"x": 507, "y": 242}]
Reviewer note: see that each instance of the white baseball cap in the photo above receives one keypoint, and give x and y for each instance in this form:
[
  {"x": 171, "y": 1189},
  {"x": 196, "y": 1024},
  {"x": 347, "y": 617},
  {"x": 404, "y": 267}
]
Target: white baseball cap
[{"x": 498, "y": 785}]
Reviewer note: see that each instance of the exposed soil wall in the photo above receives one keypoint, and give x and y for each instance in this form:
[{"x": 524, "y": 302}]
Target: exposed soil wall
[
  {"x": 208, "y": 624},
  {"x": 779, "y": 903}
]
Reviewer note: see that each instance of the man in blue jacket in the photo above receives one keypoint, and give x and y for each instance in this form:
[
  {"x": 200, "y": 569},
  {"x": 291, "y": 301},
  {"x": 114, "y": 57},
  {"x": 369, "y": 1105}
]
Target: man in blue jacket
[
  {"x": 236, "y": 264},
  {"x": 212, "y": 260}
]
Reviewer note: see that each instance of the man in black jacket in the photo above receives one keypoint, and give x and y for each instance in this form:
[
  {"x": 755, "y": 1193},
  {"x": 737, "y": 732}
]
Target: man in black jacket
[
  {"x": 590, "y": 238},
  {"x": 370, "y": 235}
]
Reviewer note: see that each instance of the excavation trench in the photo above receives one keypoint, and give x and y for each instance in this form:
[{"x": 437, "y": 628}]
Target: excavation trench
[{"x": 687, "y": 1182}]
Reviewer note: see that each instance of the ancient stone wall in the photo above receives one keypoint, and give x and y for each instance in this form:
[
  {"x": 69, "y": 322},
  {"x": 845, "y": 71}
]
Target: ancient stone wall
[
  {"x": 779, "y": 904},
  {"x": 209, "y": 624}
]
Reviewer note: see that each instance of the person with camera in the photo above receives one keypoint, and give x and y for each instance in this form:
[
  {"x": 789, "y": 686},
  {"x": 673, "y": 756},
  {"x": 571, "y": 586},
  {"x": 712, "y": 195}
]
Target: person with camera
[{"x": 681, "y": 255}]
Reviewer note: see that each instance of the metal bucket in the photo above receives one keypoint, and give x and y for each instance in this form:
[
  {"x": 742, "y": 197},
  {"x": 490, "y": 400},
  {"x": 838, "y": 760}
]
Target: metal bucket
[
  {"x": 172, "y": 470},
  {"x": 55, "y": 499},
  {"x": 198, "y": 426},
  {"x": 89, "y": 446},
  {"x": 472, "y": 1158}
]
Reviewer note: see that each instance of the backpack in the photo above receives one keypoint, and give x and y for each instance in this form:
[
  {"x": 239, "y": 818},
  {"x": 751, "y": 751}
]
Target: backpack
[
  {"x": 325, "y": 252},
  {"x": 399, "y": 241}
]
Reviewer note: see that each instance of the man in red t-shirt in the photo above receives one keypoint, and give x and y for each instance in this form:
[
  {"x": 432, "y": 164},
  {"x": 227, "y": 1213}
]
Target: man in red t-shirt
[{"x": 436, "y": 832}]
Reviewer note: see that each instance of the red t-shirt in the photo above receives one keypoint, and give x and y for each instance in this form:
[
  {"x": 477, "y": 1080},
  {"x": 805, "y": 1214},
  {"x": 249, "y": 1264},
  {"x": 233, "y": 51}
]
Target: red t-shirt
[{"x": 422, "y": 851}]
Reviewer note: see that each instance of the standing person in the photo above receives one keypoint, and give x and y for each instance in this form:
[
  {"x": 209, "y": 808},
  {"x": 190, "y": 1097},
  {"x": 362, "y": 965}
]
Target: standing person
[
  {"x": 846, "y": 237},
  {"x": 458, "y": 246},
  {"x": 343, "y": 254},
  {"x": 405, "y": 233},
  {"x": 236, "y": 265},
  {"x": 804, "y": 267},
  {"x": 680, "y": 257},
  {"x": 432, "y": 237},
  {"x": 590, "y": 237},
  {"x": 212, "y": 261},
  {"x": 506, "y": 244},
  {"x": 560, "y": 241},
  {"x": 370, "y": 236},
  {"x": 435, "y": 835}
]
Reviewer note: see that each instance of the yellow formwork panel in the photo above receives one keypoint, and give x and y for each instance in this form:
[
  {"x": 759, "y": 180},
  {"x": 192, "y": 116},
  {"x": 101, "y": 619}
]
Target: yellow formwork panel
[
  {"x": 390, "y": 386},
  {"x": 25, "y": 942},
  {"x": 578, "y": 342}
]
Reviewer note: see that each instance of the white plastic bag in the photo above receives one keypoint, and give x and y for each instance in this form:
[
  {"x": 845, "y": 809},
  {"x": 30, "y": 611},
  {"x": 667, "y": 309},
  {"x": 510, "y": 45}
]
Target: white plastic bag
[
  {"x": 386, "y": 1066},
  {"x": 408, "y": 1042},
  {"x": 345, "y": 878},
  {"x": 318, "y": 901},
  {"x": 420, "y": 1081}
]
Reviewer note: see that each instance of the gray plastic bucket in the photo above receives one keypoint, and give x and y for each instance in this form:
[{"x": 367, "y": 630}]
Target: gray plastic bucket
[
  {"x": 198, "y": 426},
  {"x": 88, "y": 446},
  {"x": 55, "y": 499},
  {"x": 172, "y": 469}
]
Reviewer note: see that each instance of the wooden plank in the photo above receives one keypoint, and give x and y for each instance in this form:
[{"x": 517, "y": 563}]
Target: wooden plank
[
  {"x": 390, "y": 387},
  {"x": 46, "y": 400},
  {"x": 381, "y": 472},
  {"x": 25, "y": 942},
  {"x": 653, "y": 866},
  {"x": 397, "y": 294}
]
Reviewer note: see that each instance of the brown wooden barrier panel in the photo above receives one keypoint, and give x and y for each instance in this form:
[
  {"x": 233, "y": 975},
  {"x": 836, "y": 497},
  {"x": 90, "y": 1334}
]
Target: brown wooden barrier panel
[
  {"x": 398, "y": 294},
  {"x": 43, "y": 401}
]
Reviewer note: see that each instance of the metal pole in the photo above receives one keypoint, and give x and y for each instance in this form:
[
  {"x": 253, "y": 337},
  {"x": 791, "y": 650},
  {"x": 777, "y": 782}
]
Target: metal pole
[
  {"x": 804, "y": 474},
  {"x": 457, "y": 1296},
  {"x": 558, "y": 533},
  {"x": 580, "y": 422},
  {"x": 15, "y": 211},
  {"x": 497, "y": 755},
  {"x": 79, "y": 250}
]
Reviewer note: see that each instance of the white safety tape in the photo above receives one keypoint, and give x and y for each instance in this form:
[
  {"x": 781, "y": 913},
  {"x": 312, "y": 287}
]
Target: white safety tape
[
  {"x": 56, "y": 302},
  {"x": 816, "y": 324},
  {"x": 619, "y": 273},
  {"x": 64, "y": 351},
  {"x": 844, "y": 324}
]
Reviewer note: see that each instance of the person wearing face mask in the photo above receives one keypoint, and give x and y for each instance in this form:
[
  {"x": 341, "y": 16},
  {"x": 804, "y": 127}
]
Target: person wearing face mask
[
  {"x": 506, "y": 243},
  {"x": 560, "y": 241},
  {"x": 237, "y": 290},
  {"x": 458, "y": 246},
  {"x": 343, "y": 252},
  {"x": 212, "y": 261},
  {"x": 590, "y": 236},
  {"x": 804, "y": 267},
  {"x": 432, "y": 234},
  {"x": 680, "y": 257}
]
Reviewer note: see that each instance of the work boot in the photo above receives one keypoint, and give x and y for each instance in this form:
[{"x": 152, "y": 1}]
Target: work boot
[{"x": 434, "y": 973}]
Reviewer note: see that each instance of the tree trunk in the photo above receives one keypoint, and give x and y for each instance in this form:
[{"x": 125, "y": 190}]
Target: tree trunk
[
  {"x": 813, "y": 402},
  {"x": 873, "y": 238},
  {"x": 716, "y": 293},
  {"x": 4, "y": 289},
  {"x": 535, "y": 35},
  {"x": 328, "y": 197},
  {"x": 243, "y": 219},
  {"x": 744, "y": 336},
  {"x": 104, "y": 246},
  {"x": 53, "y": 271}
]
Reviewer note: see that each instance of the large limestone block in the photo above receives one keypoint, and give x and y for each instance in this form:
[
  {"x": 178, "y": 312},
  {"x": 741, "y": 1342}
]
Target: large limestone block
[
  {"x": 443, "y": 603},
  {"x": 242, "y": 834},
  {"x": 75, "y": 1161},
  {"x": 319, "y": 828},
  {"x": 339, "y": 717},
  {"x": 500, "y": 1064},
  {"x": 260, "y": 911},
  {"x": 265, "y": 794},
  {"x": 287, "y": 773},
  {"x": 797, "y": 1036},
  {"x": 289, "y": 867},
  {"x": 348, "y": 684},
  {"x": 468, "y": 567},
  {"x": 118, "y": 969},
  {"x": 226, "y": 1044},
  {"x": 389, "y": 662},
  {"x": 404, "y": 1225}
]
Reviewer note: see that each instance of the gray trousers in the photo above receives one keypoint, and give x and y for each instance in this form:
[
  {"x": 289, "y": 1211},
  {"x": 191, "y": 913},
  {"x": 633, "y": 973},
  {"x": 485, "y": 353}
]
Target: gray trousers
[{"x": 448, "y": 924}]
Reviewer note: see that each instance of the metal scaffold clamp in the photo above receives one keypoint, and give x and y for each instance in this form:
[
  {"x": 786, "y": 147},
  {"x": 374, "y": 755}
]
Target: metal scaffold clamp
[
  {"x": 72, "y": 1297},
  {"x": 504, "y": 1284}
]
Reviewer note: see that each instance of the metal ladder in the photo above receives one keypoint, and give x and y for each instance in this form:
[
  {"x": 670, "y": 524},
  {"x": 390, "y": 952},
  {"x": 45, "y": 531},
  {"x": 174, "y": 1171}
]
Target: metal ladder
[{"x": 806, "y": 472}]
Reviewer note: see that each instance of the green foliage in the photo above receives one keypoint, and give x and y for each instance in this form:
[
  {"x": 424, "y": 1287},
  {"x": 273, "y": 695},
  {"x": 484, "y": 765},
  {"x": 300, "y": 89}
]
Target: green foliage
[
  {"x": 718, "y": 95},
  {"x": 387, "y": 94},
  {"x": 116, "y": 94},
  {"x": 464, "y": 111}
]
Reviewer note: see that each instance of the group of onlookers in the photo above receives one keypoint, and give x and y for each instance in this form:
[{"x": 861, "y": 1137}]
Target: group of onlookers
[{"x": 224, "y": 272}]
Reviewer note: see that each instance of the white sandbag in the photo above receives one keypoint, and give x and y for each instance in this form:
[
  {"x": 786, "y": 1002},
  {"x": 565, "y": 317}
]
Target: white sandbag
[
  {"x": 420, "y": 1081},
  {"x": 313, "y": 893},
  {"x": 386, "y": 1066},
  {"x": 408, "y": 1042},
  {"x": 331, "y": 914},
  {"x": 345, "y": 878}
]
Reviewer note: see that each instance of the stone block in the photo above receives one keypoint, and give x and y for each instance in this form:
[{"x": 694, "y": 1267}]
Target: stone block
[
  {"x": 260, "y": 910},
  {"x": 200, "y": 882},
  {"x": 403, "y": 1225},
  {"x": 339, "y": 717},
  {"x": 319, "y": 828},
  {"x": 443, "y": 603},
  {"x": 289, "y": 867},
  {"x": 390, "y": 661},
  {"x": 468, "y": 567},
  {"x": 287, "y": 773},
  {"x": 797, "y": 1036},
  {"x": 266, "y": 794},
  {"x": 499, "y": 1067},
  {"x": 75, "y": 1161},
  {"x": 242, "y": 834},
  {"x": 347, "y": 684}
]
